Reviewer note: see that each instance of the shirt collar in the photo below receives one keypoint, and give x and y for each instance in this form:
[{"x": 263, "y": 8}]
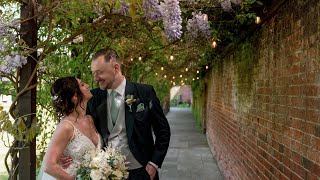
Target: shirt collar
[{"x": 120, "y": 89}]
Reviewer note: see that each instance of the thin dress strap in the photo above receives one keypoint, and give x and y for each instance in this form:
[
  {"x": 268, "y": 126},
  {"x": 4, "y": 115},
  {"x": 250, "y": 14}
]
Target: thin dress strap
[{"x": 73, "y": 134}]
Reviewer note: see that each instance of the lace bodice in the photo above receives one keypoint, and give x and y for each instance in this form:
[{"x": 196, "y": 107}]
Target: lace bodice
[{"x": 77, "y": 147}]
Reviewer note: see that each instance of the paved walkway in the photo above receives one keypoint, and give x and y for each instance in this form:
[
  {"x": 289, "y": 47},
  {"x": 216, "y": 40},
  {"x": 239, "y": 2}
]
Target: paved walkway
[{"x": 189, "y": 156}]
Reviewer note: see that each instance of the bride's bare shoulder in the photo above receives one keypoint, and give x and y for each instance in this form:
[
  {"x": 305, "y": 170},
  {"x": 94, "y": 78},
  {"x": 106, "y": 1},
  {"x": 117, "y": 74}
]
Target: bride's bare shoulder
[{"x": 66, "y": 125}]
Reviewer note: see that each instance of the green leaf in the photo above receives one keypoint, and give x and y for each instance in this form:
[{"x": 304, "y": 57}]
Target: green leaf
[{"x": 260, "y": 3}]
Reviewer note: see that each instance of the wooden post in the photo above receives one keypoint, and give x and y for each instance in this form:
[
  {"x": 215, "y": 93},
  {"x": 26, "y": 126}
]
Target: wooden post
[{"x": 27, "y": 102}]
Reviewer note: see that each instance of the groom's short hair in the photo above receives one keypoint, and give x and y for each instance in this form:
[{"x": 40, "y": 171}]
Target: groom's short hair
[{"x": 108, "y": 54}]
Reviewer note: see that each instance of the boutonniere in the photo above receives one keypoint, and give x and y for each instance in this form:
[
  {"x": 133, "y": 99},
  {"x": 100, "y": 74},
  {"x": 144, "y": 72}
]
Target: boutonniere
[{"x": 129, "y": 100}]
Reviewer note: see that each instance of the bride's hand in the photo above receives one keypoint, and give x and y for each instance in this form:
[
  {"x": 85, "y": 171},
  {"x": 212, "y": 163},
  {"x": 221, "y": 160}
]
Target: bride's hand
[{"x": 65, "y": 161}]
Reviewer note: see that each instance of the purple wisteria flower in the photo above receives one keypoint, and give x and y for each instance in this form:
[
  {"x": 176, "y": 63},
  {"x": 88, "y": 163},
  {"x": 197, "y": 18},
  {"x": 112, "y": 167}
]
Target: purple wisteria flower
[
  {"x": 226, "y": 5},
  {"x": 124, "y": 8},
  {"x": 172, "y": 20},
  {"x": 151, "y": 9},
  {"x": 198, "y": 26},
  {"x": 10, "y": 58},
  {"x": 237, "y": 2},
  {"x": 12, "y": 62}
]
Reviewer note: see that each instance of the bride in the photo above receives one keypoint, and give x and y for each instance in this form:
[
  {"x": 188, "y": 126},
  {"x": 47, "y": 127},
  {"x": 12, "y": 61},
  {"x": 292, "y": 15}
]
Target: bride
[{"x": 75, "y": 133}]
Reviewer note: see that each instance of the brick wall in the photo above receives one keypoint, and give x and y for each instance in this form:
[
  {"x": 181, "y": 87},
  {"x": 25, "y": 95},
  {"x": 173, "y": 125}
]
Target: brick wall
[{"x": 263, "y": 107}]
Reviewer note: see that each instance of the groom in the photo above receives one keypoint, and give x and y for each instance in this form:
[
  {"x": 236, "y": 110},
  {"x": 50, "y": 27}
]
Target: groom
[{"x": 126, "y": 115}]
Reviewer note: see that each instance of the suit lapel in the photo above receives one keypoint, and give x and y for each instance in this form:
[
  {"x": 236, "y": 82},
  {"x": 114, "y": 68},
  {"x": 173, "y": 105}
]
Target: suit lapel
[
  {"x": 129, "y": 116},
  {"x": 103, "y": 120}
]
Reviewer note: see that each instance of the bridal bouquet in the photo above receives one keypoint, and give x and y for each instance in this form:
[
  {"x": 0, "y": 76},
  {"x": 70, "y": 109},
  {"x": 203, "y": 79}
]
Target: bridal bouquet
[{"x": 107, "y": 163}]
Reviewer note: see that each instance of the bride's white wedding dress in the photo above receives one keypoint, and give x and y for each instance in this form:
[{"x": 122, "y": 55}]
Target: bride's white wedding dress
[{"x": 76, "y": 148}]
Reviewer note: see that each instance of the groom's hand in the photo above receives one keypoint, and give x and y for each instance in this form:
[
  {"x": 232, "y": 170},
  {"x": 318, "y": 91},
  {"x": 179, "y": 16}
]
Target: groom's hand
[
  {"x": 151, "y": 170},
  {"x": 65, "y": 161}
]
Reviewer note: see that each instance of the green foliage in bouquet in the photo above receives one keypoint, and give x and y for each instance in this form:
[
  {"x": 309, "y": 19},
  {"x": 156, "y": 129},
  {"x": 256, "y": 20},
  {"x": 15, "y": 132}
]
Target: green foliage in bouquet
[{"x": 83, "y": 173}]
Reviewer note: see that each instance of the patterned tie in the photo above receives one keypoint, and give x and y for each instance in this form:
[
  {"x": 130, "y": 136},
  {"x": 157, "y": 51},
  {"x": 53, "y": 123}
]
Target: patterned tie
[{"x": 114, "y": 107}]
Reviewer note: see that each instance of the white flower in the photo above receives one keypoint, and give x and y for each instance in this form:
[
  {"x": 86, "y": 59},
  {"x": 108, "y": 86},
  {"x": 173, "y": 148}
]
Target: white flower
[
  {"x": 129, "y": 100},
  {"x": 118, "y": 173},
  {"x": 78, "y": 39},
  {"x": 96, "y": 174}
]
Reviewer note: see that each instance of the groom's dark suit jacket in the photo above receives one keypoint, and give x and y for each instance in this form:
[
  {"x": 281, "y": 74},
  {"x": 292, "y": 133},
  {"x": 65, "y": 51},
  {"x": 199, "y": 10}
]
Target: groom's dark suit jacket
[{"x": 139, "y": 125}]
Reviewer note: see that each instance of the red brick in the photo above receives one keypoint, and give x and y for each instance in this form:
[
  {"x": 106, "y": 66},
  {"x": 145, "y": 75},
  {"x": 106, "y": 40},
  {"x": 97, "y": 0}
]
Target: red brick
[
  {"x": 315, "y": 169},
  {"x": 299, "y": 170},
  {"x": 294, "y": 176},
  {"x": 312, "y": 115},
  {"x": 311, "y": 176},
  {"x": 311, "y": 90},
  {"x": 315, "y": 144},
  {"x": 297, "y": 158}
]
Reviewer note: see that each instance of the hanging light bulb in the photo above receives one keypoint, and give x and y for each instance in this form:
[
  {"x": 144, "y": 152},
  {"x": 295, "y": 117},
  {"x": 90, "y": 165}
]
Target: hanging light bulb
[
  {"x": 131, "y": 59},
  {"x": 214, "y": 44},
  {"x": 186, "y": 79},
  {"x": 198, "y": 72},
  {"x": 207, "y": 67},
  {"x": 180, "y": 75},
  {"x": 173, "y": 77},
  {"x": 140, "y": 58},
  {"x": 156, "y": 74},
  {"x": 197, "y": 77},
  {"x": 161, "y": 68},
  {"x": 165, "y": 76},
  {"x": 205, "y": 17},
  {"x": 171, "y": 57},
  {"x": 258, "y": 20},
  {"x": 181, "y": 81},
  {"x": 192, "y": 79},
  {"x": 186, "y": 69}
]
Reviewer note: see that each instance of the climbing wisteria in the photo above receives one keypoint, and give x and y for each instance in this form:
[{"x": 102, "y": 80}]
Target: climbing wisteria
[
  {"x": 12, "y": 62},
  {"x": 237, "y": 2},
  {"x": 151, "y": 9},
  {"x": 226, "y": 5},
  {"x": 198, "y": 26},
  {"x": 124, "y": 8},
  {"x": 10, "y": 58},
  {"x": 171, "y": 15}
]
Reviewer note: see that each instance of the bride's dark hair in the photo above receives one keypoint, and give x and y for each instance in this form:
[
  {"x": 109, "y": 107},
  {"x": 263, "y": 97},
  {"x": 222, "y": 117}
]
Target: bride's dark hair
[{"x": 62, "y": 91}]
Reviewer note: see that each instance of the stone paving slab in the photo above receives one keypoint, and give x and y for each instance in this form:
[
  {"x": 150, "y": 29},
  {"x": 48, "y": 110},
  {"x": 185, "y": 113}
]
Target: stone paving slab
[{"x": 189, "y": 156}]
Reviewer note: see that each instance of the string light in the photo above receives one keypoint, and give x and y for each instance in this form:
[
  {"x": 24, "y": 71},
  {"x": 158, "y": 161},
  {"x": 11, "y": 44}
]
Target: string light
[
  {"x": 207, "y": 67},
  {"x": 156, "y": 74},
  {"x": 165, "y": 76},
  {"x": 171, "y": 57},
  {"x": 214, "y": 44},
  {"x": 140, "y": 58},
  {"x": 173, "y": 77},
  {"x": 192, "y": 79},
  {"x": 197, "y": 72},
  {"x": 186, "y": 69},
  {"x": 205, "y": 17},
  {"x": 131, "y": 59},
  {"x": 258, "y": 20},
  {"x": 186, "y": 79},
  {"x": 197, "y": 77},
  {"x": 161, "y": 68},
  {"x": 181, "y": 75}
]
